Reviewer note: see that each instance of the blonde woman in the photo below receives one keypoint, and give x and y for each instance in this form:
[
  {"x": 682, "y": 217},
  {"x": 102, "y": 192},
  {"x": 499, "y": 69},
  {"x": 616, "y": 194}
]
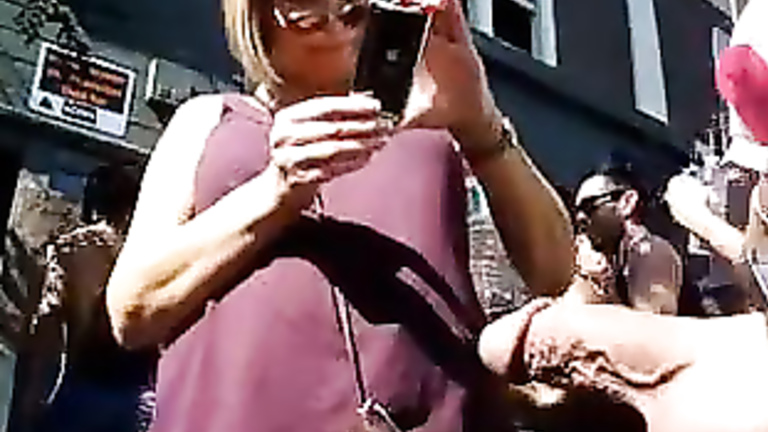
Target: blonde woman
[{"x": 303, "y": 263}]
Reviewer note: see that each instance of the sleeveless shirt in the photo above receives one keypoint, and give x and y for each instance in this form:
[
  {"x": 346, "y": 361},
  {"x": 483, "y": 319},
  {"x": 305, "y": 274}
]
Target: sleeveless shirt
[{"x": 269, "y": 356}]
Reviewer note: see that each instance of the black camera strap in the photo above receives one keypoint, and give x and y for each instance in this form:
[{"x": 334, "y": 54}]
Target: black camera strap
[{"x": 375, "y": 416}]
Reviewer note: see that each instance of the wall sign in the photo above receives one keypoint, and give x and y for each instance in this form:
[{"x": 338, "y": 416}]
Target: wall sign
[{"x": 81, "y": 89}]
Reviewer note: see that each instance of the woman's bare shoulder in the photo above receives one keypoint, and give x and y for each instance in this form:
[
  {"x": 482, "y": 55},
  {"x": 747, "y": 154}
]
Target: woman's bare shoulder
[
  {"x": 168, "y": 180},
  {"x": 184, "y": 138}
]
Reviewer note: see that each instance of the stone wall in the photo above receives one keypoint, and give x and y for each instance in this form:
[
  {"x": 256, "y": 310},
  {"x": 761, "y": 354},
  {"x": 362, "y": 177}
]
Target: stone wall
[{"x": 36, "y": 214}]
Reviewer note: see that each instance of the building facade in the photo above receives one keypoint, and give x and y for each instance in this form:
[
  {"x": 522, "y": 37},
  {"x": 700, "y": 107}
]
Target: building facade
[
  {"x": 599, "y": 81},
  {"x": 629, "y": 76}
]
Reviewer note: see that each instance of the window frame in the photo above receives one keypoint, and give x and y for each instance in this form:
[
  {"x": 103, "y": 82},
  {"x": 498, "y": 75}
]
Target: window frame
[
  {"x": 543, "y": 25},
  {"x": 648, "y": 78}
]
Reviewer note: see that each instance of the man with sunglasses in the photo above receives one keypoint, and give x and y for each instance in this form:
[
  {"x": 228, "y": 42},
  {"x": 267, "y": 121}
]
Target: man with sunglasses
[{"x": 640, "y": 269}]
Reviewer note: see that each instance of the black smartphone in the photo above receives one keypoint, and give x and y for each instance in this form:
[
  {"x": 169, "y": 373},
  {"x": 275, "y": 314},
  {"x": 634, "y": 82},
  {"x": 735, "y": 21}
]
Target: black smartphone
[{"x": 394, "y": 39}]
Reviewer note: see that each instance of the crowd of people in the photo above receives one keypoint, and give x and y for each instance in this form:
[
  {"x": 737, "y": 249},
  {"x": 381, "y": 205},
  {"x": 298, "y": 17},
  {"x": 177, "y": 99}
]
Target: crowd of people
[{"x": 295, "y": 263}]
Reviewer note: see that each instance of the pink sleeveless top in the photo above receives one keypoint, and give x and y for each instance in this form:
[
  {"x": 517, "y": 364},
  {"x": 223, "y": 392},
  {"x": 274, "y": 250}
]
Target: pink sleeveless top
[{"x": 269, "y": 355}]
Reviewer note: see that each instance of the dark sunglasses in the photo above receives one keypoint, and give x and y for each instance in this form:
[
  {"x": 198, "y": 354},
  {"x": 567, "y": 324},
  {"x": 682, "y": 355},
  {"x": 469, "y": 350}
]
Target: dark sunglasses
[
  {"x": 316, "y": 16},
  {"x": 589, "y": 205}
]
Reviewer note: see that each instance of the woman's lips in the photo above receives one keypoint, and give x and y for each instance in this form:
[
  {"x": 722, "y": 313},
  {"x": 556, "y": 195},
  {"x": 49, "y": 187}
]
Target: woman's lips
[
  {"x": 326, "y": 48},
  {"x": 336, "y": 39}
]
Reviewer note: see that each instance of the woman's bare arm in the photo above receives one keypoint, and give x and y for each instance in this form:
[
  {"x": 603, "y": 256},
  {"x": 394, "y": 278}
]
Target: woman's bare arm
[
  {"x": 532, "y": 220},
  {"x": 169, "y": 266}
]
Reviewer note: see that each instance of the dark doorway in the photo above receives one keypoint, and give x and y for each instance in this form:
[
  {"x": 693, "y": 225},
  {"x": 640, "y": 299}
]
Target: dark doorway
[{"x": 10, "y": 164}]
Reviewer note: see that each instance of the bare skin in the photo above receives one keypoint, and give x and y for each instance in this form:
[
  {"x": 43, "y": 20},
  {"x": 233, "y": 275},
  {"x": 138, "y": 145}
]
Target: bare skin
[
  {"x": 687, "y": 199},
  {"x": 681, "y": 374}
]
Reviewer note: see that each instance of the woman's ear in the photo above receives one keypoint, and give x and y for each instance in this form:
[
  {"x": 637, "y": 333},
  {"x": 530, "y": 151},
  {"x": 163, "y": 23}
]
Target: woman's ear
[{"x": 628, "y": 203}]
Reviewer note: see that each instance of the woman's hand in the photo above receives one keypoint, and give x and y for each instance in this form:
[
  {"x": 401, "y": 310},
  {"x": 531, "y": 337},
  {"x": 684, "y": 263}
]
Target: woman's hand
[
  {"x": 450, "y": 88},
  {"x": 451, "y": 91},
  {"x": 317, "y": 140}
]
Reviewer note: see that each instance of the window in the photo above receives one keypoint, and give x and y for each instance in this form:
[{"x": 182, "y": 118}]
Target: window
[
  {"x": 477, "y": 205},
  {"x": 715, "y": 136},
  {"x": 736, "y": 7},
  {"x": 524, "y": 24},
  {"x": 513, "y": 22},
  {"x": 647, "y": 70},
  {"x": 71, "y": 185},
  {"x": 720, "y": 41}
]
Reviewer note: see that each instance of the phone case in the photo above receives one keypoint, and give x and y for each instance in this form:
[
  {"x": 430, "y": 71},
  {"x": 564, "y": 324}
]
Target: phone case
[{"x": 391, "y": 47}]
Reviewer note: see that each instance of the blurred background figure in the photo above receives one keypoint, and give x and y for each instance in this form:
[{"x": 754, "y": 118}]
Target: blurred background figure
[
  {"x": 715, "y": 215},
  {"x": 618, "y": 259},
  {"x": 727, "y": 287},
  {"x": 83, "y": 380}
]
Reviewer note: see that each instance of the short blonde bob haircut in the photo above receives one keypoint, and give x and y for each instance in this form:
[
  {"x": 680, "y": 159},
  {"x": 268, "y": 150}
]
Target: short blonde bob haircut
[{"x": 243, "y": 22}]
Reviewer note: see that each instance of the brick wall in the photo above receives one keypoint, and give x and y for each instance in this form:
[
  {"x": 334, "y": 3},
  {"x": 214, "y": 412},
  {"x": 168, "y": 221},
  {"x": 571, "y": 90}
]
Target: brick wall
[{"x": 497, "y": 284}]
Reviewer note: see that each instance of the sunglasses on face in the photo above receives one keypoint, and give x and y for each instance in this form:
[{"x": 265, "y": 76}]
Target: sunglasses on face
[
  {"x": 311, "y": 17},
  {"x": 589, "y": 205}
]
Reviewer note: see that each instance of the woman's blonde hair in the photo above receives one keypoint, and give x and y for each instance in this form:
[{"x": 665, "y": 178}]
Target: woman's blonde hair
[{"x": 242, "y": 22}]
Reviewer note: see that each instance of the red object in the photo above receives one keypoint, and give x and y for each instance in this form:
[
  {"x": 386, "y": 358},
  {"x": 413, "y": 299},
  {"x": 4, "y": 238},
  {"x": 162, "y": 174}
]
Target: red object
[
  {"x": 427, "y": 7},
  {"x": 742, "y": 80}
]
